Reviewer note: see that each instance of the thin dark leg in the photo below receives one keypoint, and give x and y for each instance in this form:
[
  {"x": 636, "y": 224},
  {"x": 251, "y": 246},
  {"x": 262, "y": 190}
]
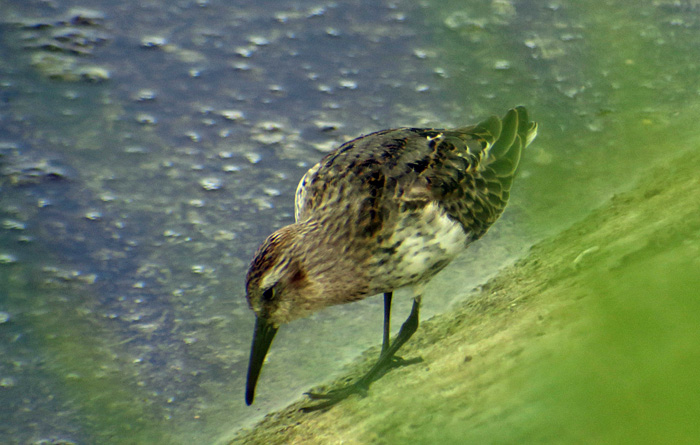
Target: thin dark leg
[
  {"x": 387, "y": 321},
  {"x": 385, "y": 363}
]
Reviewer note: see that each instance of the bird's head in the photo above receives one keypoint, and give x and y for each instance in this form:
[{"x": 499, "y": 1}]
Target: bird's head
[
  {"x": 298, "y": 270},
  {"x": 278, "y": 285},
  {"x": 279, "y": 289}
]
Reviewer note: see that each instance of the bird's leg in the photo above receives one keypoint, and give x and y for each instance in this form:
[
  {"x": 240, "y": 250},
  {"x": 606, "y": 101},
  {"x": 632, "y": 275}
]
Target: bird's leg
[
  {"x": 387, "y": 321},
  {"x": 386, "y": 341},
  {"x": 385, "y": 363}
]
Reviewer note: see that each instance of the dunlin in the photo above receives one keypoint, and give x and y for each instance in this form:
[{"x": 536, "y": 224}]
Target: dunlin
[{"x": 383, "y": 211}]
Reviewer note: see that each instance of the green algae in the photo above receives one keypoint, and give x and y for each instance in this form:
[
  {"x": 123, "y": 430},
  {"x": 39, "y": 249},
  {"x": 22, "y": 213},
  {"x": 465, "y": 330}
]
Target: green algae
[{"x": 79, "y": 361}]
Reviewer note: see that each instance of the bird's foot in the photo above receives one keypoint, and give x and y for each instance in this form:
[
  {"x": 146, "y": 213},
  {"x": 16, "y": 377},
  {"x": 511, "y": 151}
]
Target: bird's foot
[
  {"x": 397, "y": 362},
  {"x": 360, "y": 387},
  {"x": 387, "y": 361}
]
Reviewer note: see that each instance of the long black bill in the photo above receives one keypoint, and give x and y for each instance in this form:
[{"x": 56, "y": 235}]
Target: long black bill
[{"x": 262, "y": 339}]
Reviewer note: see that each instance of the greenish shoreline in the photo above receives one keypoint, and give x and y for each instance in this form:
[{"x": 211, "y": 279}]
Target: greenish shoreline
[{"x": 589, "y": 338}]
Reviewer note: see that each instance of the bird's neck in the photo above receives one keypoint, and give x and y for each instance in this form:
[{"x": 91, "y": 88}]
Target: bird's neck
[{"x": 324, "y": 254}]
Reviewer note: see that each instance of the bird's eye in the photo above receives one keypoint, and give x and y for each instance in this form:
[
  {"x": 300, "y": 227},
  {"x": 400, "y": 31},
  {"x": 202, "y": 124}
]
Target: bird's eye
[{"x": 268, "y": 294}]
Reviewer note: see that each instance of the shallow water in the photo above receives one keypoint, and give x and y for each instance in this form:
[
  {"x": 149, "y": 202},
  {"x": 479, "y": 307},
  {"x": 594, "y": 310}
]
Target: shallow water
[{"x": 145, "y": 156}]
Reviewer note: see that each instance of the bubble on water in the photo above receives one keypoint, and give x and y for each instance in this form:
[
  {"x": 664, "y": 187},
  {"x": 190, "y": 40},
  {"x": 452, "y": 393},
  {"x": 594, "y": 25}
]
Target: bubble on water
[
  {"x": 258, "y": 40},
  {"x": 151, "y": 42},
  {"x": 211, "y": 183},
  {"x": 146, "y": 119},
  {"x": 145, "y": 95},
  {"x": 232, "y": 115},
  {"x": 93, "y": 215},
  {"x": 11, "y": 224},
  {"x": 347, "y": 84},
  {"x": 7, "y": 258},
  {"x": 501, "y": 65},
  {"x": 7, "y": 382}
]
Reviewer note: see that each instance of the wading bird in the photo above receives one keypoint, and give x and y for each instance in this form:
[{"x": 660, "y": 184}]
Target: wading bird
[{"x": 383, "y": 211}]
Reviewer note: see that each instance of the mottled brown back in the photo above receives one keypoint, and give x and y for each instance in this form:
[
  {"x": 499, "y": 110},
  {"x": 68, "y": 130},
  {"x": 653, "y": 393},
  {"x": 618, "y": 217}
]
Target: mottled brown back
[{"x": 468, "y": 171}]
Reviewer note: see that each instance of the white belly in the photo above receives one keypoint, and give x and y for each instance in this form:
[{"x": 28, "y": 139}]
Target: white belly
[{"x": 422, "y": 244}]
